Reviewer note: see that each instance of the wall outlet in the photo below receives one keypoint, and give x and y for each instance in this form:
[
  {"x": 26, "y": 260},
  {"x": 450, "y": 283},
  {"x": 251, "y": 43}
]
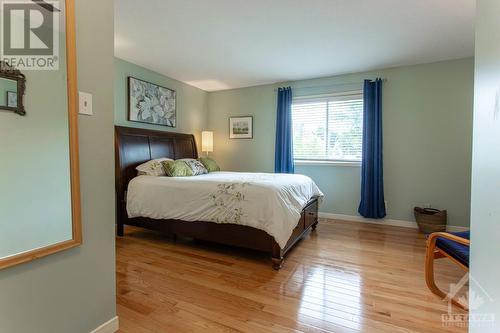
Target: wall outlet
[
  {"x": 428, "y": 205},
  {"x": 386, "y": 205},
  {"x": 85, "y": 104}
]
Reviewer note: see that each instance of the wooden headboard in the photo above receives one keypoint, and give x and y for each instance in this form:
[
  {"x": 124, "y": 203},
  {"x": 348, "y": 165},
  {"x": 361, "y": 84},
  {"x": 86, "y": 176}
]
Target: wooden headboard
[{"x": 134, "y": 146}]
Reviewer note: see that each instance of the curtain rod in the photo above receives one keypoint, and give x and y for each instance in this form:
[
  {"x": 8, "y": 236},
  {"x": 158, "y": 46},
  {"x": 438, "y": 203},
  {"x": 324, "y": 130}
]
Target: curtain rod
[{"x": 330, "y": 85}]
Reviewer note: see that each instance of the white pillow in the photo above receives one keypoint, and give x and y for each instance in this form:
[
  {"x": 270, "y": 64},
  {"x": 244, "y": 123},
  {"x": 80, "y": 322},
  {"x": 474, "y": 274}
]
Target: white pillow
[{"x": 152, "y": 168}]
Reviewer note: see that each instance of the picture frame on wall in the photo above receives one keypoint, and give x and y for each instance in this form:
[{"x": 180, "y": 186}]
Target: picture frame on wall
[
  {"x": 12, "y": 99},
  {"x": 151, "y": 103},
  {"x": 241, "y": 127}
]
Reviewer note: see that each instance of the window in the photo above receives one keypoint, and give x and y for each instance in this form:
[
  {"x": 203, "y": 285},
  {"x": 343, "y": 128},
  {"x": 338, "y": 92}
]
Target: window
[{"x": 328, "y": 128}]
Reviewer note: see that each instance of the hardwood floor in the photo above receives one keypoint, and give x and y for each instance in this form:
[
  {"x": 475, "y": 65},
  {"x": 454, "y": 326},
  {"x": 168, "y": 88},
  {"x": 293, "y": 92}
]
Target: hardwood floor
[{"x": 345, "y": 277}]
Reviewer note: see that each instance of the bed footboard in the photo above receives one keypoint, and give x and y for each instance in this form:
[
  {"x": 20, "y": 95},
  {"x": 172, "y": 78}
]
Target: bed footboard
[{"x": 308, "y": 221}]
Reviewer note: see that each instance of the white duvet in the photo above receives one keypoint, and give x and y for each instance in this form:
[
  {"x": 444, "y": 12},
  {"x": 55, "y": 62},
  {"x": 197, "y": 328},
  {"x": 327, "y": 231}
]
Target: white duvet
[{"x": 269, "y": 202}]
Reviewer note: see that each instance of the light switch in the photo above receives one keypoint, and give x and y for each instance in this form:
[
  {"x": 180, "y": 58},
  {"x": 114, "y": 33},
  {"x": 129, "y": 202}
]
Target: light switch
[{"x": 85, "y": 103}]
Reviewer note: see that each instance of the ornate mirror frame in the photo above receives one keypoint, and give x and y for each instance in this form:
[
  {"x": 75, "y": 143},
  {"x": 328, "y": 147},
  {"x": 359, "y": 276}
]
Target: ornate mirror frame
[
  {"x": 9, "y": 73},
  {"x": 72, "y": 90}
]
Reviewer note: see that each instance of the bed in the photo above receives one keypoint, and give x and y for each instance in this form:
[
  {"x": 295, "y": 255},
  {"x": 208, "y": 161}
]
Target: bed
[{"x": 145, "y": 201}]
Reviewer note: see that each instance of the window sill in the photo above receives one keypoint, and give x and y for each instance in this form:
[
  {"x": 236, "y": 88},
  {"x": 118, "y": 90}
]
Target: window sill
[{"x": 328, "y": 163}]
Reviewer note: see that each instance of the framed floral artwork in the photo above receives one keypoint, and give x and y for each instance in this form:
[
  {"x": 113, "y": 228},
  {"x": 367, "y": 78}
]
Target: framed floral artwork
[{"x": 151, "y": 103}]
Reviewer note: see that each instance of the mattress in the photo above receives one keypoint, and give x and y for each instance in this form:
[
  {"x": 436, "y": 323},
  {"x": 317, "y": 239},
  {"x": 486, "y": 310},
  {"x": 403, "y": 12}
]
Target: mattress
[{"x": 269, "y": 202}]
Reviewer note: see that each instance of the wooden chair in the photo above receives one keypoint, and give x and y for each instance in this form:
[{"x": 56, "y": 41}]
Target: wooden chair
[{"x": 454, "y": 246}]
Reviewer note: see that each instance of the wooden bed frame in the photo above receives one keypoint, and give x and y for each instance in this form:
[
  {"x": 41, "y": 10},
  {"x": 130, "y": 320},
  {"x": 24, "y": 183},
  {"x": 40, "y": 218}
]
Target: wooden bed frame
[{"x": 134, "y": 146}]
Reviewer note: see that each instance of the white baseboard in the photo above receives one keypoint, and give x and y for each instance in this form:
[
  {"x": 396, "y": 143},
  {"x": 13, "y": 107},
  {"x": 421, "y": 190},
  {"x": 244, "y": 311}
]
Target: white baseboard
[
  {"x": 111, "y": 326},
  {"x": 384, "y": 221}
]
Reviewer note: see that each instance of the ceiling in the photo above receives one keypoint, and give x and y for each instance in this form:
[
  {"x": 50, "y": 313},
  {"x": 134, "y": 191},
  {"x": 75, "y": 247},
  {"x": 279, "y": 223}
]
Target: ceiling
[{"x": 225, "y": 44}]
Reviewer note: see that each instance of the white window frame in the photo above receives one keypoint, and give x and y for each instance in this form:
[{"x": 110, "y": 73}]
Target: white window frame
[{"x": 324, "y": 162}]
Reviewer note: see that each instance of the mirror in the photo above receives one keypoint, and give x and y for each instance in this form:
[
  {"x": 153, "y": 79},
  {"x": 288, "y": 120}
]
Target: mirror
[
  {"x": 39, "y": 177},
  {"x": 12, "y": 86}
]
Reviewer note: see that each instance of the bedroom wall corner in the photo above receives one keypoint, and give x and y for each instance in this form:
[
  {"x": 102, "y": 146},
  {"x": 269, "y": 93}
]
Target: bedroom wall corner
[
  {"x": 427, "y": 137},
  {"x": 192, "y": 109}
]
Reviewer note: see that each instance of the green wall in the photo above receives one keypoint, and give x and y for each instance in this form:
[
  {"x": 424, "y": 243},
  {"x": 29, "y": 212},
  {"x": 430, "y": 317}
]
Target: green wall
[
  {"x": 427, "y": 137},
  {"x": 485, "y": 212},
  {"x": 74, "y": 291},
  {"x": 191, "y": 101},
  {"x": 427, "y": 133}
]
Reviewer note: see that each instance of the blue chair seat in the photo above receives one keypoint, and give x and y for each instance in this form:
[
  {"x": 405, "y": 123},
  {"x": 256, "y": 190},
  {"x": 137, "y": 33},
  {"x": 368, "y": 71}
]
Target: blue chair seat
[{"x": 458, "y": 251}]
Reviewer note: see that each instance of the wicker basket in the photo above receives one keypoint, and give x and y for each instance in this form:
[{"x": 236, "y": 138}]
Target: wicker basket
[{"x": 430, "y": 220}]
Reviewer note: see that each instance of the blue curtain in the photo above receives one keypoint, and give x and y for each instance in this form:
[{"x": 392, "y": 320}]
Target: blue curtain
[
  {"x": 372, "y": 203},
  {"x": 283, "y": 159}
]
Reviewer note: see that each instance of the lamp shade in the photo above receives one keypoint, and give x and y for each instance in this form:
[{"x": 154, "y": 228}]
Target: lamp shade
[{"x": 207, "y": 141}]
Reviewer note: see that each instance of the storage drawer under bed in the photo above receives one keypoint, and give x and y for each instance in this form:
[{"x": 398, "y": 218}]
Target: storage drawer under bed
[{"x": 311, "y": 214}]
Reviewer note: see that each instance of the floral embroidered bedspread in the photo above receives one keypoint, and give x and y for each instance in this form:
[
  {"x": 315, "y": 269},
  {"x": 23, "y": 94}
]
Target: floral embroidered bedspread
[{"x": 269, "y": 202}]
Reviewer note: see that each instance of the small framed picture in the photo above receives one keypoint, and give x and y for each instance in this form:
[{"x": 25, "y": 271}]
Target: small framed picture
[
  {"x": 12, "y": 99},
  {"x": 241, "y": 127}
]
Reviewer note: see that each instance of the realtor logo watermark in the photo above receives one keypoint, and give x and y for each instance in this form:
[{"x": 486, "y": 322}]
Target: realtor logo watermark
[
  {"x": 473, "y": 299},
  {"x": 30, "y": 34}
]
